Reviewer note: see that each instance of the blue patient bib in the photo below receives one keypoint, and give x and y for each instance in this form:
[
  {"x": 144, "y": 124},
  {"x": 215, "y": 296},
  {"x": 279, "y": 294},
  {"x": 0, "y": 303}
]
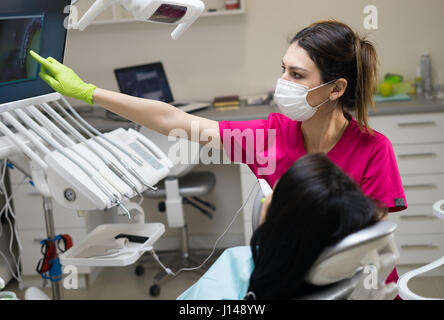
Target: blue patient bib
[{"x": 227, "y": 279}]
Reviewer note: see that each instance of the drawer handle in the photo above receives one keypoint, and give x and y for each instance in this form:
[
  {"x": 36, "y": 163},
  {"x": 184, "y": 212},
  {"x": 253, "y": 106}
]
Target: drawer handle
[
  {"x": 417, "y": 155},
  {"x": 425, "y": 216},
  {"x": 419, "y": 245},
  {"x": 416, "y": 124},
  {"x": 420, "y": 186}
]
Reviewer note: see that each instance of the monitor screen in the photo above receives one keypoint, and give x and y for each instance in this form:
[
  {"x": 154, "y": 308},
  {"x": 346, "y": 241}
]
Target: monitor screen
[
  {"x": 18, "y": 35},
  {"x": 146, "y": 81},
  {"x": 25, "y": 25}
]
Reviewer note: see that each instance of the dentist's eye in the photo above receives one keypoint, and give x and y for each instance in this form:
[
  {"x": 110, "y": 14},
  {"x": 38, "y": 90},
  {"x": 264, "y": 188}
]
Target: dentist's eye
[
  {"x": 296, "y": 75},
  {"x": 283, "y": 69}
]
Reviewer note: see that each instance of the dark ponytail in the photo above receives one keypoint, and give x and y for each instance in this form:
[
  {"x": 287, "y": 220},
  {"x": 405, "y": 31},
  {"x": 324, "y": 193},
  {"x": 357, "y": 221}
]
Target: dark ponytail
[
  {"x": 367, "y": 77},
  {"x": 339, "y": 52}
]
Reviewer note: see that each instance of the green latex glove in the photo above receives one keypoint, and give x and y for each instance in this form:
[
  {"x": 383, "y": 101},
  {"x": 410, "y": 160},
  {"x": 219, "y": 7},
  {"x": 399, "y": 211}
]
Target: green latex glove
[{"x": 63, "y": 79}]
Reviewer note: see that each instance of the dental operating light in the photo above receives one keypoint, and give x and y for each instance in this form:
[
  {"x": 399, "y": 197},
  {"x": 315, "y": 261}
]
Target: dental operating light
[{"x": 181, "y": 12}]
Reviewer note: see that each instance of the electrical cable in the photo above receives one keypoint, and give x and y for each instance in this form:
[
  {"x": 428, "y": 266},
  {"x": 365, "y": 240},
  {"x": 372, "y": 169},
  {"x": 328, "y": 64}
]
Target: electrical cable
[
  {"x": 170, "y": 272},
  {"x": 14, "y": 232},
  {"x": 13, "y": 227}
]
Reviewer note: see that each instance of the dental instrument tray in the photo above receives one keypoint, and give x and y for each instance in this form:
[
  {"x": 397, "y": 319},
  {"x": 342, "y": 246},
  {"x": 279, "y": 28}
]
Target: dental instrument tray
[{"x": 103, "y": 238}]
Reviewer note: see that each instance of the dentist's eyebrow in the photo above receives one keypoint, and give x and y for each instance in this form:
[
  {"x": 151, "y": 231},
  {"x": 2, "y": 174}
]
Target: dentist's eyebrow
[{"x": 295, "y": 68}]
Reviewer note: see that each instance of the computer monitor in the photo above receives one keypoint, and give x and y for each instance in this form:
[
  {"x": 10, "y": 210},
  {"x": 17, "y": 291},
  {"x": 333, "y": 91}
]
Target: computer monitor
[
  {"x": 29, "y": 25},
  {"x": 145, "y": 81},
  {"x": 15, "y": 63}
]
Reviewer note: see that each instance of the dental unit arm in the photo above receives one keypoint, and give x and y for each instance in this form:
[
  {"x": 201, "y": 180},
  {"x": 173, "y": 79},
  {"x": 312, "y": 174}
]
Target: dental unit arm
[
  {"x": 88, "y": 171},
  {"x": 181, "y": 12},
  {"x": 79, "y": 173}
]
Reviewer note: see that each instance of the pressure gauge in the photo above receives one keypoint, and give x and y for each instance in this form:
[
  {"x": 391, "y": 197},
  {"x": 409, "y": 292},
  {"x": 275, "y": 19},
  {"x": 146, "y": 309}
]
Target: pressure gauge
[{"x": 69, "y": 194}]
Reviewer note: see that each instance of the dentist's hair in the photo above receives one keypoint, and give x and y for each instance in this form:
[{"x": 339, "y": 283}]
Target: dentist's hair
[
  {"x": 339, "y": 52},
  {"x": 314, "y": 206}
]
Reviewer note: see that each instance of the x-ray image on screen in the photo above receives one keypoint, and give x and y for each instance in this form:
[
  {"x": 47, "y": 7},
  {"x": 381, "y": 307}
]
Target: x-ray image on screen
[{"x": 18, "y": 35}]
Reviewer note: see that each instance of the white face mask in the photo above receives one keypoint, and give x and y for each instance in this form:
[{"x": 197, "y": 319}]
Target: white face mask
[{"x": 291, "y": 99}]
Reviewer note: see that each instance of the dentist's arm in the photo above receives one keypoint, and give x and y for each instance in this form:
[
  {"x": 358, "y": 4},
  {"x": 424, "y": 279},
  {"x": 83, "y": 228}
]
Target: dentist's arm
[{"x": 155, "y": 115}]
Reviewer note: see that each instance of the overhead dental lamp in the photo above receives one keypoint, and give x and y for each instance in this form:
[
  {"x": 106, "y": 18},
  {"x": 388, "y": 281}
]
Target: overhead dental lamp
[{"x": 181, "y": 12}]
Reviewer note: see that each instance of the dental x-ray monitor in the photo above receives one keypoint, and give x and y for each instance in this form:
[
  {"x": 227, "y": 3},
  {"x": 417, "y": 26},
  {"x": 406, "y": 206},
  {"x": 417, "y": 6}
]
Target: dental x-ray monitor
[{"x": 28, "y": 25}]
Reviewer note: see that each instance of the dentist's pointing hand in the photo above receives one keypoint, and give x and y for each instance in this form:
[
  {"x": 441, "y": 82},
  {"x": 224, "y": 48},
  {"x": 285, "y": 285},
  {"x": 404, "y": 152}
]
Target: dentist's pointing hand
[{"x": 63, "y": 79}]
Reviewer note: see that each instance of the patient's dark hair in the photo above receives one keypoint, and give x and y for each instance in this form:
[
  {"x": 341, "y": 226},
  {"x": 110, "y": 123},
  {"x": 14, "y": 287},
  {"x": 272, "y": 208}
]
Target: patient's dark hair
[{"x": 314, "y": 205}]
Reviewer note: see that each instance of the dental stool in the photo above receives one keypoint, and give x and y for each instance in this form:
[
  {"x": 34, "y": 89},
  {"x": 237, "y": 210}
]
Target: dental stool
[
  {"x": 355, "y": 268},
  {"x": 181, "y": 187},
  {"x": 404, "y": 291}
]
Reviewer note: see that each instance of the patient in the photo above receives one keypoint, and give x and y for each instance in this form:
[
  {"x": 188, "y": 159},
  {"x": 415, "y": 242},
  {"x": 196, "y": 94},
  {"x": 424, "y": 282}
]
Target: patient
[{"x": 314, "y": 205}]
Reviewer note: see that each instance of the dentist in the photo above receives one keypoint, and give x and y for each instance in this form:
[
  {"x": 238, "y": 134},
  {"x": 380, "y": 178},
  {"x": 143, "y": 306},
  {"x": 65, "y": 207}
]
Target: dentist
[{"x": 328, "y": 71}]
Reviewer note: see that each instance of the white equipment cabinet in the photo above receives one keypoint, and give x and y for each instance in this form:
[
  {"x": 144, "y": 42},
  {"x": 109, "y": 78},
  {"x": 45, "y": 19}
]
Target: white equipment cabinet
[
  {"x": 418, "y": 143},
  {"x": 30, "y": 218}
]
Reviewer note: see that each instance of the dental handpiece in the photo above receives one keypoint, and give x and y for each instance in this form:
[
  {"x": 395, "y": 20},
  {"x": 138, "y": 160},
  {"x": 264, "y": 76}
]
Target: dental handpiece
[
  {"x": 104, "y": 145},
  {"x": 115, "y": 199},
  {"x": 82, "y": 139},
  {"x": 44, "y": 121},
  {"x": 48, "y": 139},
  {"x": 98, "y": 133},
  {"x": 131, "y": 170},
  {"x": 125, "y": 164}
]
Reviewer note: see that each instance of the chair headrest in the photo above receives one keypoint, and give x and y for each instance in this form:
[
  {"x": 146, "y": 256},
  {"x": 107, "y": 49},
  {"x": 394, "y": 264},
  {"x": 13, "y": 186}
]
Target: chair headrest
[{"x": 342, "y": 260}]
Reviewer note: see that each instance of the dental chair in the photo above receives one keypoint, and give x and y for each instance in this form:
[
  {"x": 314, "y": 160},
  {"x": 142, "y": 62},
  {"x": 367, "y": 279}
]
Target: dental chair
[
  {"x": 404, "y": 291},
  {"x": 181, "y": 187},
  {"x": 355, "y": 268}
]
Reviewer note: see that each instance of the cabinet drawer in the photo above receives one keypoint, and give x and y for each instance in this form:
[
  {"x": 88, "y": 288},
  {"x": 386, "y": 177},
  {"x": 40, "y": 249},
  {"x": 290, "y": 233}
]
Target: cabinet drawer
[
  {"x": 30, "y": 240},
  {"x": 420, "y": 158},
  {"x": 414, "y": 128},
  {"x": 28, "y": 207},
  {"x": 417, "y": 219},
  {"x": 423, "y": 189},
  {"x": 420, "y": 249}
]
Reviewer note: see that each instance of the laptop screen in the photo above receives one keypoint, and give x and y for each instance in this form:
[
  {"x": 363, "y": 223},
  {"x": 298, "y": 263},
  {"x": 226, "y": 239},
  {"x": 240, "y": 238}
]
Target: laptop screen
[{"x": 145, "y": 81}]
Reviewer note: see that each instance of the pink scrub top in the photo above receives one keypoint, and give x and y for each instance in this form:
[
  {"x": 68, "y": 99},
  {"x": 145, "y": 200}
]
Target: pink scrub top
[{"x": 269, "y": 147}]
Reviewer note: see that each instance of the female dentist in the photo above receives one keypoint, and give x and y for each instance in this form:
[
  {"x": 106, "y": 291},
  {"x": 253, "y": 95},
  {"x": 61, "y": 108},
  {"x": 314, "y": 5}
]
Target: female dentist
[{"x": 328, "y": 71}]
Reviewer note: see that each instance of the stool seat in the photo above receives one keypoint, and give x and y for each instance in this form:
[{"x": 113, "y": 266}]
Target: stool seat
[{"x": 192, "y": 185}]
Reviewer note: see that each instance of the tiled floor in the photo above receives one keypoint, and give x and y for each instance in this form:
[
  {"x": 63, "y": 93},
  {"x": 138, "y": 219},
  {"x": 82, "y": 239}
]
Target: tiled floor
[{"x": 121, "y": 283}]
